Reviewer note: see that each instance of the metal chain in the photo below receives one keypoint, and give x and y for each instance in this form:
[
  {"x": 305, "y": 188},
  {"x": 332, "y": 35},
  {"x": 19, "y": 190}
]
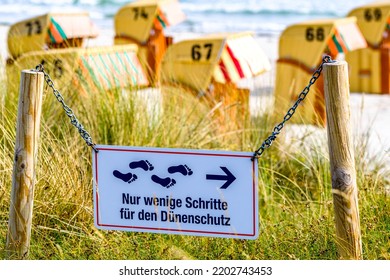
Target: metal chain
[
  {"x": 268, "y": 142},
  {"x": 69, "y": 112}
]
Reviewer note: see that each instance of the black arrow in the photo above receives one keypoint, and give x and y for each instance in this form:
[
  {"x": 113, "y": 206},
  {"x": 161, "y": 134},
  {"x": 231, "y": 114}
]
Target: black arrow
[{"x": 229, "y": 177}]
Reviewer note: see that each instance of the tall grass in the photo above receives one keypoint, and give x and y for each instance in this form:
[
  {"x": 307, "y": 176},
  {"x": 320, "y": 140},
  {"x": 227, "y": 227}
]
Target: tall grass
[{"x": 295, "y": 202}]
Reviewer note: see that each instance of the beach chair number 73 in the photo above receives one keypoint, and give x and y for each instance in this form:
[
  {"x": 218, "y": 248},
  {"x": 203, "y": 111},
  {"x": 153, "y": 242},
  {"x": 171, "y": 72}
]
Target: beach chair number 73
[
  {"x": 30, "y": 26},
  {"x": 196, "y": 51}
]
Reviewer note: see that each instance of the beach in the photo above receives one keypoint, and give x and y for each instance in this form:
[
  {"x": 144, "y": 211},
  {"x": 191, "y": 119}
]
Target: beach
[
  {"x": 369, "y": 112},
  {"x": 162, "y": 144}
]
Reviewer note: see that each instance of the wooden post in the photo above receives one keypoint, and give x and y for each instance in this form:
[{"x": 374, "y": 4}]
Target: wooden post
[
  {"x": 342, "y": 161},
  {"x": 23, "y": 177}
]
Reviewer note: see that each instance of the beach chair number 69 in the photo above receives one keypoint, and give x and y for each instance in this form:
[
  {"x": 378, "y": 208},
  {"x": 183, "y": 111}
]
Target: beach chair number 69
[
  {"x": 196, "y": 51},
  {"x": 30, "y": 26},
  {"x": 315, "y": 34},
  {"x": 374, "y": 14}
]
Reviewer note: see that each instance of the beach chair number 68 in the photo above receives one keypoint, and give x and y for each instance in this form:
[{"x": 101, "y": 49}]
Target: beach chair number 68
[
  {"x": 315, "y": 34},
  {"x": 196, "y": 51}
]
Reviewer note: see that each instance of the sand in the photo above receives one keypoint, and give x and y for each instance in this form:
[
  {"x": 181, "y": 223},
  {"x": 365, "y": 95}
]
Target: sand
[{"x": 370, "y": 113}]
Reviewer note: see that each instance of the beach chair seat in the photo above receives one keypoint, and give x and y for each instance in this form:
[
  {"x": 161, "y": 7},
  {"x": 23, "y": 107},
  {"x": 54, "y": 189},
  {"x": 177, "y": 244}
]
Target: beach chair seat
[{"x": 84, "y": 70}]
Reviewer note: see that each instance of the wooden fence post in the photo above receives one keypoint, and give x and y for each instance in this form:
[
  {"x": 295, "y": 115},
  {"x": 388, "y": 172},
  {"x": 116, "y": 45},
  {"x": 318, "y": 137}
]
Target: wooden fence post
[
  {"x": 23, "y": 177},
  {"x": 342, "y": 161}
]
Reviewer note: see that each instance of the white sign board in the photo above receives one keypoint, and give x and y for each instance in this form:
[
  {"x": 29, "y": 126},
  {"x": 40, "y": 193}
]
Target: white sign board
[{"x": 176, "y": 191}]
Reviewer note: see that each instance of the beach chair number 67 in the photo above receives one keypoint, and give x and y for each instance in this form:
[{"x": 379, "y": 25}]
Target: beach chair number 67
[{"x": 196, "y": 51}]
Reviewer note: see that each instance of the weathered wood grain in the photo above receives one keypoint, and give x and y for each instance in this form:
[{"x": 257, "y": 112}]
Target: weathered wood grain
[
  {"x": 342, "y": 161},
  {"x": 23, "y": 177}
]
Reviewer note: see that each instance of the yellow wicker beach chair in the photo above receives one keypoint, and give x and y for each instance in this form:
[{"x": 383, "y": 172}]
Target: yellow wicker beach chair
[
  {"x": 211, "y": 66},
  {"x": 52, "y": 30},
  {"x": 55, "y": 40},
  {"x": 301, "y": 48},
  {"x": 370, "y": 66},
  {"x": 143, "y": 23}
]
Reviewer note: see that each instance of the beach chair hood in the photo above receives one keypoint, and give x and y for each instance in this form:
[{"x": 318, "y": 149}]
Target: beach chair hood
[
  {"x": 224, "y": 58},
  {"x": 373, "y": 20},
  {"x": 306, "y": 42},
  {"x": 137, "y": 19},
  {"x": 44, "y": 31}
]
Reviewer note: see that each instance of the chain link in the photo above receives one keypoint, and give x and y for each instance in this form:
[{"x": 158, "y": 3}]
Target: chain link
[
  {"x": 266, "y": 144},
  {"x": 276, "y": 131},
  {"x": 68, "y": 111}
]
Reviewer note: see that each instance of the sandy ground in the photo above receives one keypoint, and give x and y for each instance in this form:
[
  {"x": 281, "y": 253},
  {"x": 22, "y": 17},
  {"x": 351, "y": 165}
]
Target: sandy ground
[{"x": 370, "y": 113}]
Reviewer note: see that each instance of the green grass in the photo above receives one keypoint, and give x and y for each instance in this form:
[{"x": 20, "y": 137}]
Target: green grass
[{"x": 295, "y": 202}]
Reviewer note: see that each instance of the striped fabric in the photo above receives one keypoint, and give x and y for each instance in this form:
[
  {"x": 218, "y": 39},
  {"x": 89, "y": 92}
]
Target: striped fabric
[
  {"x": 337, "y": 44},
  {"x": 347, "y": 37},
  {"x": 161, "y": 21},
  {"x": 111, "y": 70},
  {"x": 236, "y": 62},
  {"x": 241, "y": 58},
  {"x": 55, "y": 33}
]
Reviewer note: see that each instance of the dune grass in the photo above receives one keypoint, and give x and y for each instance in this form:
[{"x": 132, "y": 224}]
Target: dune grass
[{"x": 295, "y": 203}]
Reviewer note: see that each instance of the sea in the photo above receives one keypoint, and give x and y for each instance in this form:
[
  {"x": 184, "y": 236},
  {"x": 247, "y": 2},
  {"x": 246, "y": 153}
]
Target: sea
[
  {"x": 262, "y": 17},
  {"x": 266, "y": 19}
]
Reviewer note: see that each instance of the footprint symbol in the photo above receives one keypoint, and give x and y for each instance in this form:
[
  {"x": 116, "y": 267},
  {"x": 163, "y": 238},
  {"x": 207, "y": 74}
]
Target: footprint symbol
[
  {"x": 165, "y": 182},
  {"x": 125, "y": 177},
  {"x": 143, "y": 164},
  {"x": 183, "y": 169}
]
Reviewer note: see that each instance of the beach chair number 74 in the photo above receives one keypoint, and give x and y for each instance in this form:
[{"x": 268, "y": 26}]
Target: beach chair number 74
[
  {"x": 140, "y": 13},
  {"x": 196, "y": 51}
]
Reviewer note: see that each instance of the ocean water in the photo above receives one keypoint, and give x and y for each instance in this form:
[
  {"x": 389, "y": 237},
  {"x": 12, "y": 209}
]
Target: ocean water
[{"x": 263, "y": 17}]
